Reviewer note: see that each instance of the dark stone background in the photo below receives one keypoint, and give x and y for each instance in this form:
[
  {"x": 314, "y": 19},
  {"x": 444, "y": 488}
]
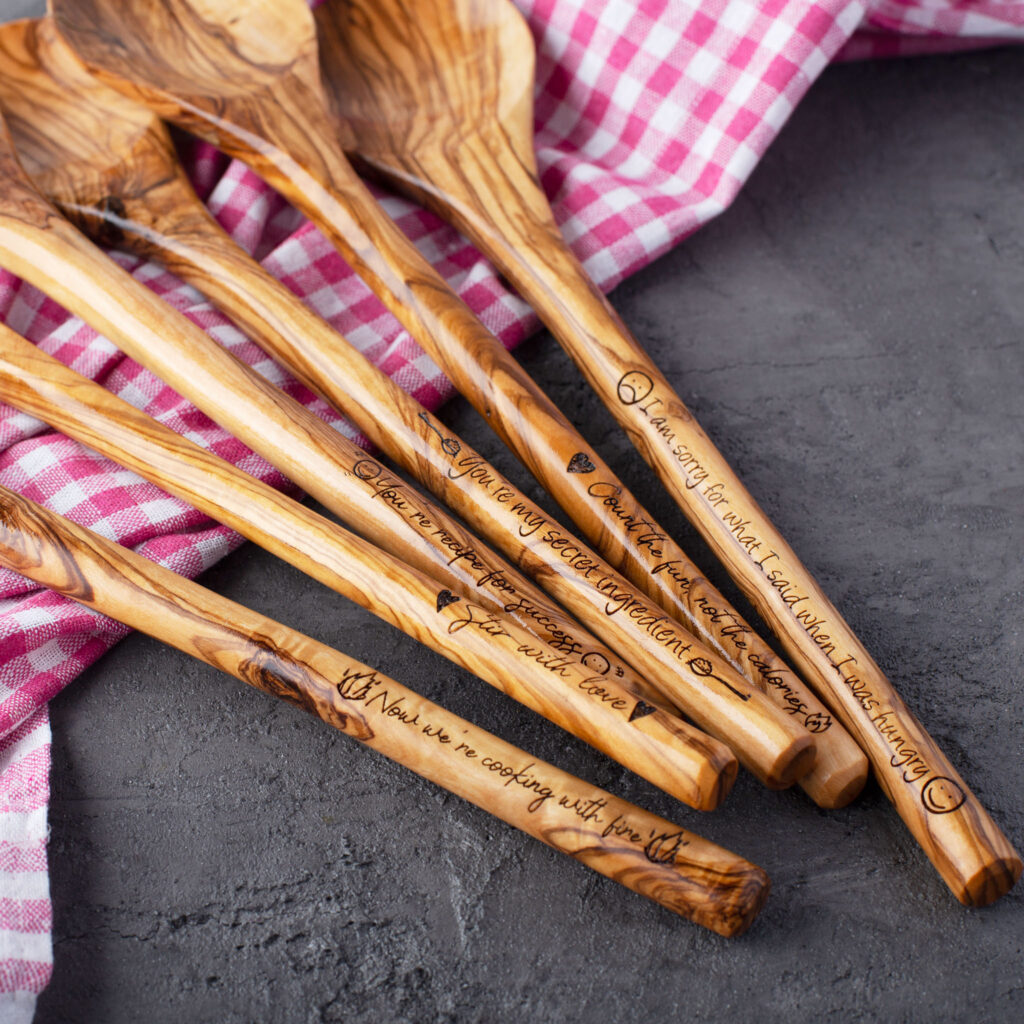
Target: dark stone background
[{"x": 850, "y": 334}]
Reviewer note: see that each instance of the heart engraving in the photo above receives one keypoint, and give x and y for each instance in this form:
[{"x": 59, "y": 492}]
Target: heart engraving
[
  {"x": 579, "y": 463},
  {"x": 445, "y": 598},
  {"x": 641, "y": 710}
]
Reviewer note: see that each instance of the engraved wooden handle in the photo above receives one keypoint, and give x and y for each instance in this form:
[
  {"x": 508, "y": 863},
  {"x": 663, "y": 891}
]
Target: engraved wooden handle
[
  {"x": 110, "y": 165},
  {"x": 337, "y": 472},
  {"x": 196, "y": 249},
  {"x": 492, "y": 194},
  {"x": 777, "y": 749},
  {"x": 665, "y": 750},
  {"x": 668, "y": 864},
  {"x": 37, "y": 244},
  {"x": 487, "y": 187},
  {"x": 968, "y": 849}
]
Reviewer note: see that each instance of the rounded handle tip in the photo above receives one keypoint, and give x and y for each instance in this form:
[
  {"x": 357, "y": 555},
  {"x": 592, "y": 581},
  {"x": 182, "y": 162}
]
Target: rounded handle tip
[
  {"x": 990, "y": 882},
  {"x": 831, "y": 790},
  {"x": 793, "y": 763}
]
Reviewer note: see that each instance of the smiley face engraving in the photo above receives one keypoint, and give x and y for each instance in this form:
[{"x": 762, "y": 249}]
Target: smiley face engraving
[
  {"x": 942, "y": 795},
  {"x": 596, "y": 662},
  {"x": 367, "y": 469}
]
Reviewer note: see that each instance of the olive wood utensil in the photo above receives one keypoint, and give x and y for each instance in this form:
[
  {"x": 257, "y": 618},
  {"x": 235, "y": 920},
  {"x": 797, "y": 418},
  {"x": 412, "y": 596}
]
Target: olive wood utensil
[
  {"x": 614, "y": 610},
  {"x": 646, "y": 853},
  {"x": 318, "y": 458},
  {"x": 39, "y": 245},
  {"x": 437, "y": 101},
  {"x": 107, "y": 163},
  {"x": 422, "y": 127},
  {"x": 110, "y": 165},
  {"x": 258, "y": 96},
  {"x": 663, "y": 749}
]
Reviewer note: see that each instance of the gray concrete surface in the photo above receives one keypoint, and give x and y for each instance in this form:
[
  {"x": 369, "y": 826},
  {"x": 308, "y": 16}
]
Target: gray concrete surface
[{"x": 851, "y": 334}]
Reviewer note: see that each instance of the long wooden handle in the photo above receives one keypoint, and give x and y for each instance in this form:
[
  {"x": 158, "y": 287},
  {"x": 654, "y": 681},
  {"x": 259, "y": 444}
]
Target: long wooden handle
[
  {"x": 655, "y": 744},
  {"x": 965, "y": 845},
  {"x": 287, "y": 115},
  {"x": 668, "y": 864},
  {"x": 168, "y": 223},
  {"x": 766, "y": 740},
  {"x": 37, "y": 244},
  {"x": 357, "y": 488},
  {"x": 73, "y": 135}
]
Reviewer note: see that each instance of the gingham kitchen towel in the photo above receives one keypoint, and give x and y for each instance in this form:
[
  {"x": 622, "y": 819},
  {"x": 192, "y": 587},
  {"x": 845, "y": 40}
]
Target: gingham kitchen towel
[{"x": 650, "y": 116}]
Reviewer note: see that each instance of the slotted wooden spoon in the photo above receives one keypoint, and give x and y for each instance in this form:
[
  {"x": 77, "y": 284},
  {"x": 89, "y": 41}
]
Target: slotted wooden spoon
[
  {"x": 678, "y": 869},
  {"x": 436, "y": 99},
  {"x": 764, "y": 738}
]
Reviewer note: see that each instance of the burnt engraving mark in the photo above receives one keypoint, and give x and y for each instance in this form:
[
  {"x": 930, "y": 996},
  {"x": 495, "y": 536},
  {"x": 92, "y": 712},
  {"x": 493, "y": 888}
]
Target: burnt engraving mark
[
  {"x": 702, "y": 667},
  {"x": 818, "y": 722},
  {"x": 445, "y": 598},
  {"x": 448, "y": 444},
  {"x": 642, "y": 710},
  {"x": 941, "y": 795},
  {"x": 664, "y": 846},
  {"x": 634, "y": 387},
  {"x": 579, "y": 463}
]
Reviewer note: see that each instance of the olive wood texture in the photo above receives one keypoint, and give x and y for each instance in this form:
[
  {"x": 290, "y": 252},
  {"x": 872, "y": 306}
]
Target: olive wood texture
[
  {"x": 110, "y": 166},
  {"x": 284, "y": 131},
  {"x": 670, "y": 865},
  {"x": 663, "y": 749},
  {"x": 324, "y": 463},
  {"x": 243, "y": 105},
  {"x": 107, "y": 163},
  {"x": 457, "y": 134},
  {"x": 40, "y": 246}
]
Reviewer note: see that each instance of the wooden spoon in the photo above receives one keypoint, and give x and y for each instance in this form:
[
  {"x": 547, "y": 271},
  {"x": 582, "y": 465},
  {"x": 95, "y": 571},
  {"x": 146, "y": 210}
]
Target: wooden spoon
[
  {"x": 107, "y": 163},
  {"x": 665, "y": 750},
  {"x": 456, "y": 133},
  {"x": 251, "y": 83},
  {"x": 42, "y": 247},
  {"x": 775, "y": 748},
  {"x": 670, "y": 865},
  {"x": 110, "y": 165}
]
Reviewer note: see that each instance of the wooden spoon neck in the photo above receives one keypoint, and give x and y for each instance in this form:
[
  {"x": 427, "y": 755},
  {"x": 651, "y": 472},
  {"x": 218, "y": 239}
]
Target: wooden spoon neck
[
  {"x": 283, "y": 127},
  {"x": 492, "y": 197}
]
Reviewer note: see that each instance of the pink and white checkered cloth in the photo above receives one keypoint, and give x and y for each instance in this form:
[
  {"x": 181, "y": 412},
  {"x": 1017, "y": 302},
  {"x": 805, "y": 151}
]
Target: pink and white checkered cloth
[{"x": 650, "y": 116}]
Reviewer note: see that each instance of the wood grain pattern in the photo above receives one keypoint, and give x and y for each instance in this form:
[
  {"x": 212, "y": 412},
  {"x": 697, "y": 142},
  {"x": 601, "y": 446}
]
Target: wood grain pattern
[
  {"x": 665, "y": 750},
  {"x": 255, "y": 91},
  {"x": 457, "y": 134},
  {"x": 109, "y": 164},
  {"x": 668, "y": 864}
]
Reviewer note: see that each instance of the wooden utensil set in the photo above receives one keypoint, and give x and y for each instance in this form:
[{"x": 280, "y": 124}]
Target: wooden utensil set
[{"x": 611, "y": 641}]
